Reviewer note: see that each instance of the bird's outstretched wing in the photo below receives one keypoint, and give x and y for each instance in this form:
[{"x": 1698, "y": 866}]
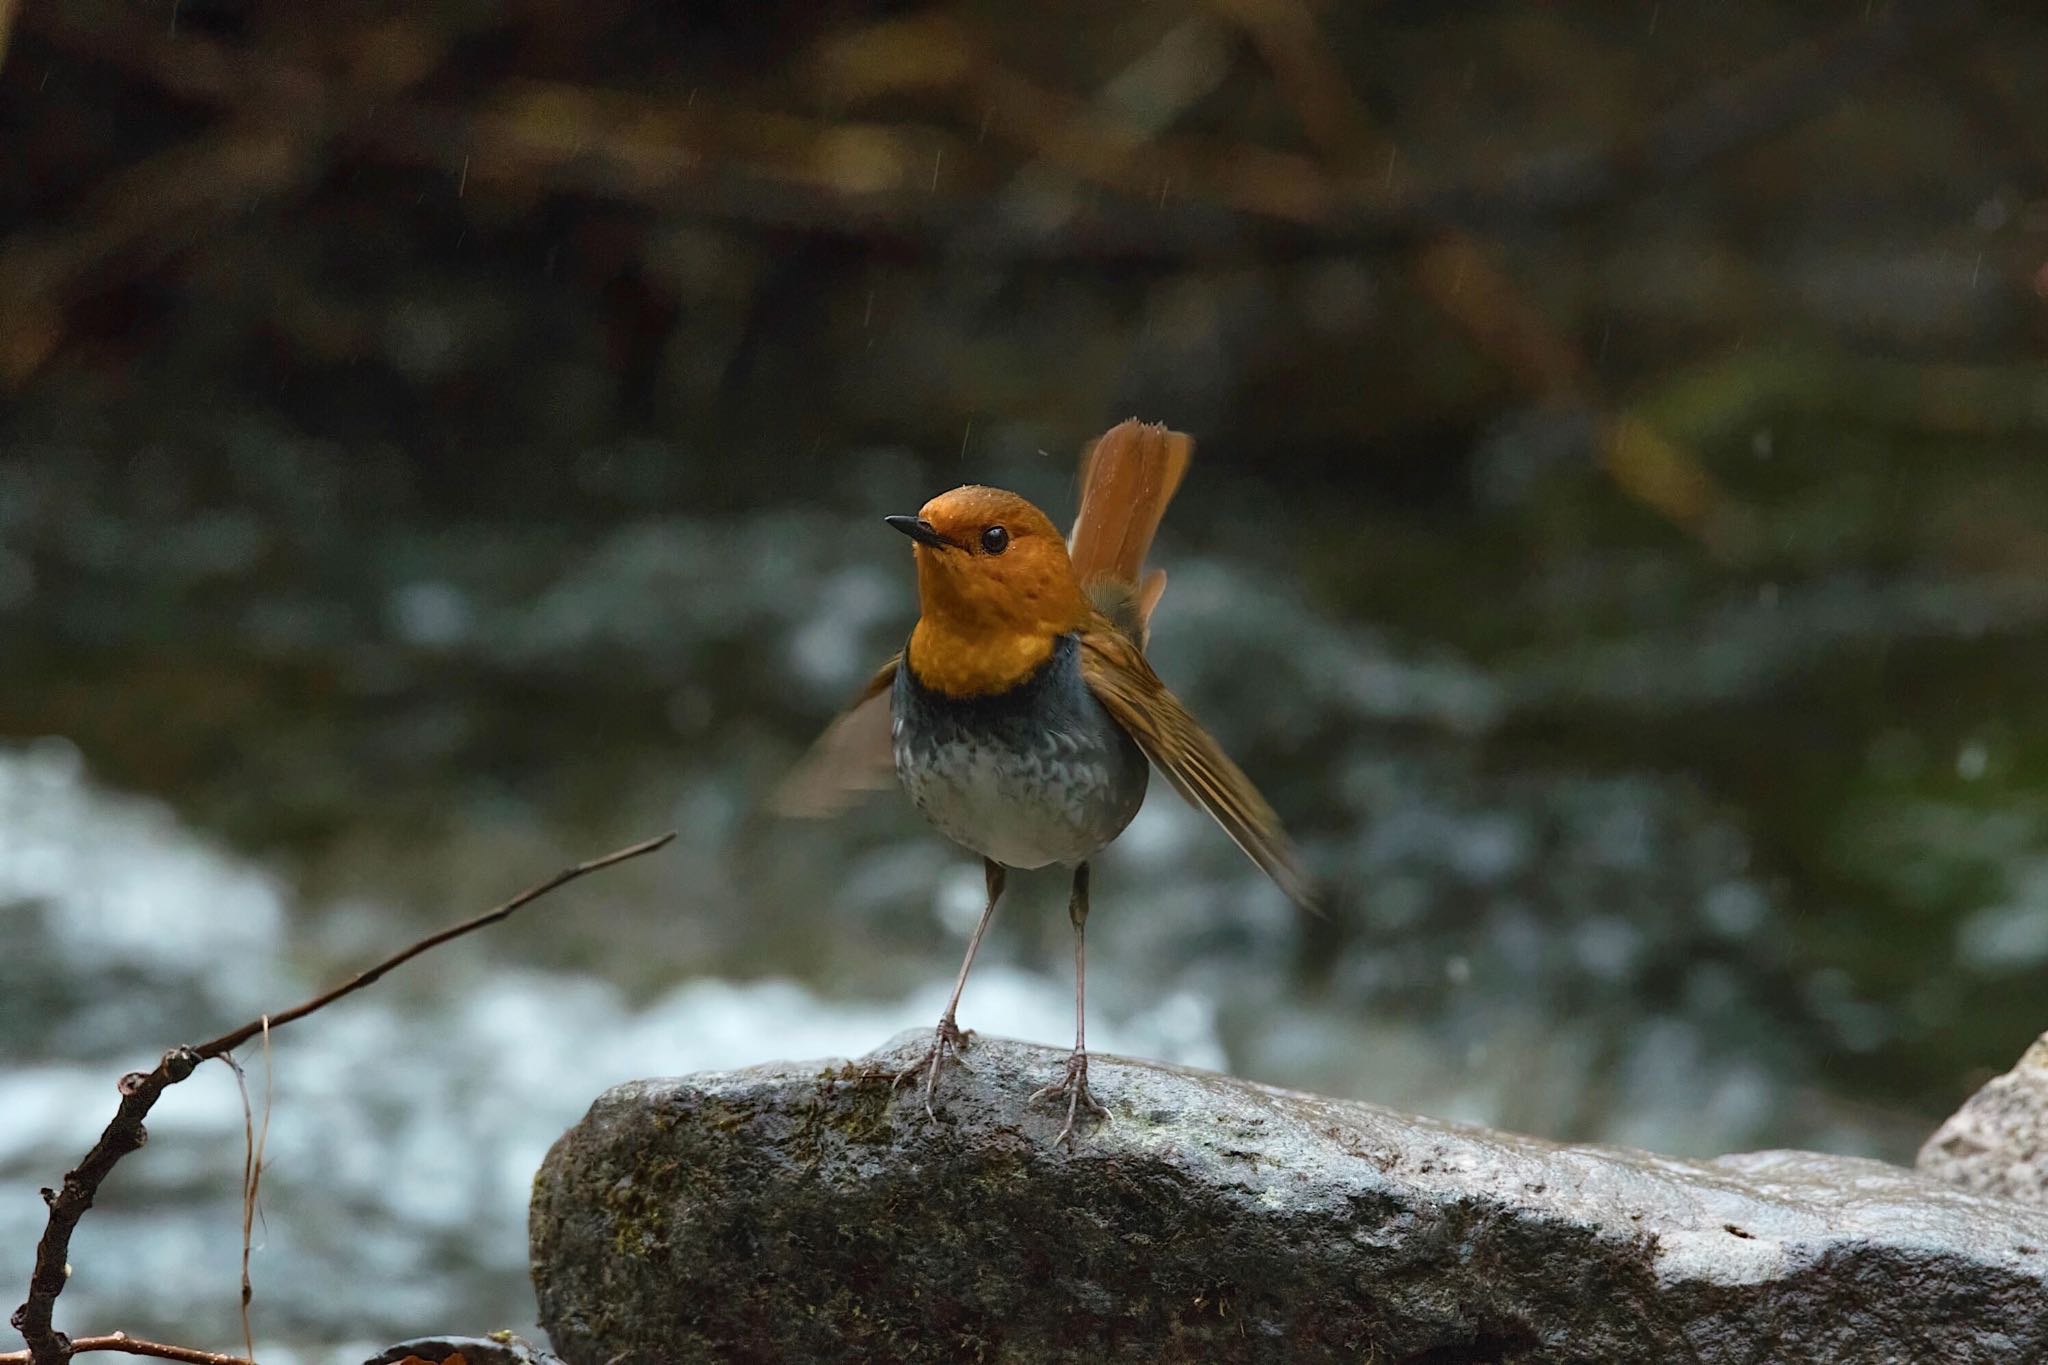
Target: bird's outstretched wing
[
  {"x": 854, "y": 755},
  {"x": 1116, "y": 673}
]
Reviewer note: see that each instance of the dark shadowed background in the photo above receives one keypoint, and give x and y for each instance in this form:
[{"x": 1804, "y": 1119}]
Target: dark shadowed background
[{"x": 443, "y": 441}]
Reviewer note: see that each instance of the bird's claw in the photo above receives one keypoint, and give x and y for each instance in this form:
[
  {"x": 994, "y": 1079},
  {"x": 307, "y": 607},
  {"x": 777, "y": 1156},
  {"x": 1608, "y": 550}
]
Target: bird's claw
[
  {"x": 1073, "y": 1085},
  {"x": 947, "y": 1039}
]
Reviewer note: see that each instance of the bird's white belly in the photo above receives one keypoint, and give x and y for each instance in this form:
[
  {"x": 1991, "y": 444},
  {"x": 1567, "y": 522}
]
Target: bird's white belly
[
  {"x": 1022, "y": 810},
  {"x": 1038, "y": 775}
]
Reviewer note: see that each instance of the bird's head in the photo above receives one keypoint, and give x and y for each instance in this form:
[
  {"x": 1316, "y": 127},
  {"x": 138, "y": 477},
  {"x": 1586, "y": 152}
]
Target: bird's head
[{"x": 995, "y": 590}]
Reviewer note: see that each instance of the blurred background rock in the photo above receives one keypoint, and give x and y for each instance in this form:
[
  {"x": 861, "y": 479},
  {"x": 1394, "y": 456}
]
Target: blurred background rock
[{"x": 444, "y": 441}]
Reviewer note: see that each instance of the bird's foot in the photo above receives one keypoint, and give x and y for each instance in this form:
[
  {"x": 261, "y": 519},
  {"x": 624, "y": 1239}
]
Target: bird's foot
[
  {"x": 948, "y": 1039},
  {"x": 1074, "y": 1086}
]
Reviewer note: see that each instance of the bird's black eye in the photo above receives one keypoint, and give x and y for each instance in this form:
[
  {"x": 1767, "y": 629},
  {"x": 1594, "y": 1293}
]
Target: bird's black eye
[{"x": 995, "y": 540}]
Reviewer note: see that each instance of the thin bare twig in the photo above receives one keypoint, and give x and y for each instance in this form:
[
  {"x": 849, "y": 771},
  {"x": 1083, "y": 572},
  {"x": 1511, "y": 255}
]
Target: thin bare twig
[
  {"x": 139, "y": 1091},
  {"x": 134, "y": 1346},
  {"x": 235, "y": 1038},
  {"x": 253, "y": 1146}
]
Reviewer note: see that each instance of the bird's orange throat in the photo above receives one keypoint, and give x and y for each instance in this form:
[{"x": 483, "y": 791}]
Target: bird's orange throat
[
  {"x": 990, "y": 610},
  {"x": 983, "y": 664},
  {"x": 987, "y": 623}
]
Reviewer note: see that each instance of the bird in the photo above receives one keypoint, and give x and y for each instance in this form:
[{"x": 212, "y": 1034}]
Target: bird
[{"x": 1023, "y": 718}]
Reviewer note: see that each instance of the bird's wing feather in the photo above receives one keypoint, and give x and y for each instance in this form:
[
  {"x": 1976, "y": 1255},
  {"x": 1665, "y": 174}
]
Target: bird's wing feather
[
  {"x": 1118, "y": 676},
  {"x": 854, "y": 755}
]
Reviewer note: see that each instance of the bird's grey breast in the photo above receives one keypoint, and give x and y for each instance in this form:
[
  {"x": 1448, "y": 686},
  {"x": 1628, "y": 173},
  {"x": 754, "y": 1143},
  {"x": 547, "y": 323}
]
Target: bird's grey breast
[{"x": 1034, "y": 775}]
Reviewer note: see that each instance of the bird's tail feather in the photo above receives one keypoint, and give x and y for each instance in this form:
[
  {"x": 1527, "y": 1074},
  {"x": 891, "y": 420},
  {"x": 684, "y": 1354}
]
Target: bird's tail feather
[{"x": 1127, "y": 478}]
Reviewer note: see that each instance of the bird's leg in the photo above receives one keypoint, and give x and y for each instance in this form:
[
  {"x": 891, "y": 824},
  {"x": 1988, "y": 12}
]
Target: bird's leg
[
  {"x": 1074, "y": 1085},
  {"x": 948, "y": 1038}
]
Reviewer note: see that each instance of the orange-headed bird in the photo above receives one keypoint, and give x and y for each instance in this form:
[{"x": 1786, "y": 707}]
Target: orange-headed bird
[{"x": 1021, "y": 717}]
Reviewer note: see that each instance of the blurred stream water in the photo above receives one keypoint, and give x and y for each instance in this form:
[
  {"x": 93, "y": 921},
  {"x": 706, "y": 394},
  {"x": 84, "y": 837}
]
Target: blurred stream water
[{"x": 261, "y": 739}]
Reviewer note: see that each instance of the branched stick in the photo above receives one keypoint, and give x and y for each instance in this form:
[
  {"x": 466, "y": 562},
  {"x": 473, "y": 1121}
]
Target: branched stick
[
  {"x": 134, "y": 1346},
  {"x": 139, "y": 1091}
]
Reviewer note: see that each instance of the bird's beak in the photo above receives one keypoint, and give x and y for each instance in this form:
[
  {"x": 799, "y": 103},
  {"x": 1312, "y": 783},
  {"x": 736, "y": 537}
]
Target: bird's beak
[{"x": 921, "y": 531}]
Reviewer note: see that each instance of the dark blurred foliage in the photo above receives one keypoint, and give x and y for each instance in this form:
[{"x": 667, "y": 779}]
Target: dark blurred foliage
[{"x": 1342, "y": 240}]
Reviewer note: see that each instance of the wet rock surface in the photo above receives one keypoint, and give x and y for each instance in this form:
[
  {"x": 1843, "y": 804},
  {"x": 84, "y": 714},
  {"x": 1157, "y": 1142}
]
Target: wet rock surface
[
  {"x": 799, "y": 1212},
  {"x": 1998, "y": 1141}
]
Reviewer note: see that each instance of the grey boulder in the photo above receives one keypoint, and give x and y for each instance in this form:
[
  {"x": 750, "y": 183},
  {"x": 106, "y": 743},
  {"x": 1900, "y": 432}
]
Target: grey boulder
[
  {"x": 1998, "y": 1141},
  {"x": 800, "y": 1213}
]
